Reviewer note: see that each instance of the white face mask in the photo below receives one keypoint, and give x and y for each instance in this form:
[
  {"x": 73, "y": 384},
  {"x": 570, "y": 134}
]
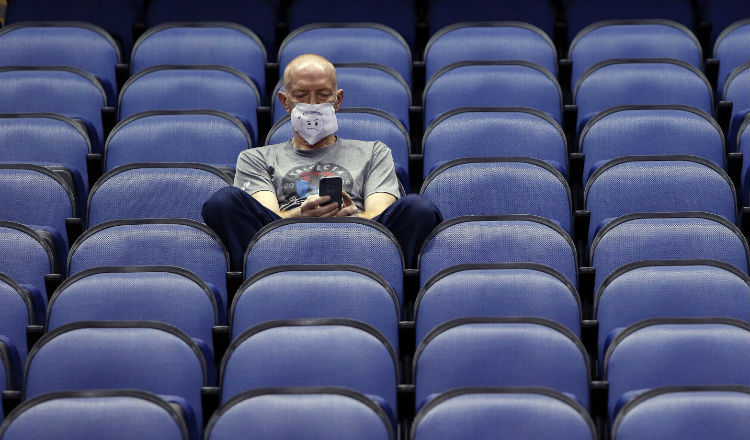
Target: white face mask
[{"x": 314, "y": 121}]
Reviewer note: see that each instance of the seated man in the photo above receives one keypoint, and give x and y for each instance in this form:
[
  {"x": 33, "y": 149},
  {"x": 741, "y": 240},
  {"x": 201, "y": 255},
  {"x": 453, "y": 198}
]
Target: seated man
[{"x": 281, "y": 181}]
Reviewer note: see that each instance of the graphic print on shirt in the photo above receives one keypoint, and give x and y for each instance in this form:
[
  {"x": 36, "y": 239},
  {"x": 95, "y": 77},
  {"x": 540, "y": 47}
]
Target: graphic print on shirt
[{"x": 300, "y": 182}]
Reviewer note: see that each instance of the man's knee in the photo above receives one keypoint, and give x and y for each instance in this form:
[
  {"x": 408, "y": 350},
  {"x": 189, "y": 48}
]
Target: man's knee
[
  {"x": 420, "y": 208},
  {"x": 222, "y": 202}
]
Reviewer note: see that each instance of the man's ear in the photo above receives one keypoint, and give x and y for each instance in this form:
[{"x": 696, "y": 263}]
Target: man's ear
[
  {"x": 282, "y": 100},
  {"x": 339, "y": 99}
]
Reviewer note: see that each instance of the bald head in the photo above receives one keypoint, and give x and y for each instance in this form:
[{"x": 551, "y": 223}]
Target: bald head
[
  {"x": 310, "y": 79},
  {"x": 309, "y": 64}
]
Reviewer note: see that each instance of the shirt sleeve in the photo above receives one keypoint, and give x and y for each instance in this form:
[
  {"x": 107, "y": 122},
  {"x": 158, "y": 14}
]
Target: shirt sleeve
[
  {"x": 381, "y": 176},
  {"x": 252, "y": 173}
]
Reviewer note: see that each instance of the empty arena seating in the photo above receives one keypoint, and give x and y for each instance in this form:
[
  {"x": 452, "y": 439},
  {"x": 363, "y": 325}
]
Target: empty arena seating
[
  {"x": 581, "y": 13},
  {"x": 731, "y": 49},
  {"x": 32, "y": 254},
  {"x": 540, "y": 13},
  {"x": 737, "y": 91},
  {"x": 17, "y": 312}
]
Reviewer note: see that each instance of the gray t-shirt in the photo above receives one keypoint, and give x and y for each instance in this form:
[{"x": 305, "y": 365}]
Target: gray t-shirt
[{"x": 365, "y": 168}]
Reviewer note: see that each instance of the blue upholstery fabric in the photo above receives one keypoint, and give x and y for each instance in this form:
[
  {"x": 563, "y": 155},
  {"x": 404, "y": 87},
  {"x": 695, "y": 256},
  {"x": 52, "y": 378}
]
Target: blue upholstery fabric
[
  {"x": 319, "y": 241},
  {"x": 491, "y": 352},
  {"x": 5, "y": 371},
  {"x": 492, "y": 84},
  {"x": 498, "y": 239},
  {"x": 638, "y": 82},
  {"x": 639, "y": 184},
  {"x": 540, "y": 13},
  {"x": 28, "y": 257},
  {"x": 494, "y": 132},
  {"x": 16, "y": 313},
  {"x": 500, "y": 186},
  {"x": 224, "y": 44},
  {"x": 499, "y": 290},
  {"x": 680, "y": 352},
  {"x": 182, "y": 243},
  {"x": 670, "y": 289},
  {"x": 349, "y": 43},
  {"x": 650, "y": 131},
  {"x": 325, "y": 352},
  {"x": 503, "y": 414},
  {"x": 689, "y": 413},
  {"x": 721, "y": 14},
  {"x": 731, "y": 49},
  {"x": 93, "y": 415},
  {"x": 67, "y": 91},
  {"x": 80, "y": 45},
  {"x": 209, "y": 137},
  {"x": 737, "y": 90},
  {"x": 192, "y": 88},
  {"x": 315, "y": 291},
  {"x": 107, "y": 355},
  {"x": 667, "y": 236},
  {"x": 615, "y": 39},
  {"x": 743, "y": 146},
  {"x": 158, "y": 293},
  {"x": 260, "y": 16},
  {"x": 154, "y": 191},
  {"x": 314, "y": 413},
  {"x": 484, "y": 41}
]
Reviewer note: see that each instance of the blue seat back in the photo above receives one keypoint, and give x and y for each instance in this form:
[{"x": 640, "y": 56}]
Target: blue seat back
[
  {"x": 82, "y": 45},
  {"x": 683, "y": 236},
  {"x": 494, "y": 132},
  {"x": 731, "y": 49},
  {"x": 349, "y": 43},
  {"x": 501, "y": 352},
  {"x": 670, "y": 289},
  {"x": 64, "y": 90},
  {"x": 305, "y": 412},
  {"x": 96, "y": 414},
  {"x": 680, "y": 352},
  {"x": 498, "y": 239},
  {"x": 210, "y": 137},
  {"x": 222, "y": 44},
  {"x": 488, "y": 41},
  {"x": 316, "y": 352},
  {"x": 540, "y": 13},
  {"x": 375, "y": 248},
  {"x": 16, "y": 313},
  {"x": 508, "y": 186},
  {"x": 182, "y": 243},
  {"x": 721, "y": 14},
  {"x": 503, "y": 414},
  {"x": 29, "y": 257},
  {"x": 316, "y": 291},
  {"x": 640, "y": 82},
  {"x": 646, "y": 38},
  {"x": 640, "y": 184},
  {"x": 499, "y": 290},
  {"x": 192, "y": 88},
  {"x": 671, "y": 413},
  {"x": 155, "y": 190},
  {"x": 6, "y": 371},
  {"x": 737, "y": 91},
  {"x": 743, "y": 146},
  {"x": 581, "y": 13},
  {"x": 492, "y": 84}
]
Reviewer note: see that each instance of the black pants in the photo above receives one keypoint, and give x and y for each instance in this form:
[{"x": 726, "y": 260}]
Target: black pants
[{"x": 236, "y": 216}]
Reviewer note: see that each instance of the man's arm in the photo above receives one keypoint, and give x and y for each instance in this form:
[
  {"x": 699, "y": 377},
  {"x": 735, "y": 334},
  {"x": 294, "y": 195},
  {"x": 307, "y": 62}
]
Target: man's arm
[
  {"x": 374, "y": 205},
  {"x": 313, "y": 206}
]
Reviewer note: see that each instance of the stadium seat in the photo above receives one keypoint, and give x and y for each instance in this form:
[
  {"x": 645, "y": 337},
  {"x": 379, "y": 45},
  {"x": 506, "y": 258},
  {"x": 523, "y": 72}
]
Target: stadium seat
[
  {"x": 731, "y": 49},
  {"x": 721, "y": 14},
  {"x": 316, "y": 291},
  {"x": 737, "y": 91},
  {"x": 489, "y": 41},
  {"x": 650, "y": 130},
  {"x": 304, "y": 412},
  {"x": 641, "y": 184},
  {"x": 182, "y": 243},
  {"x": 640, "y": 81},
  {"x": 687, "y": 413},
  {"x": 203, "y": 136},
  {"x": 670, "y": 289},
  {"x": 498, "y": 239},
  {"x": 503, "y": 414},
  {"x": 471, "y": 132},
  {"x": 7, "y": 370},
  {"x": 497, "y": 290},
  {"x": 540, "y": 13},
  {"x": 64, "y": 90},
  {"x": 97, "y": 414},
  {"x": 349, "y": 43},
  {"x": 512, "y": 185},
  {"x": 192, "y": 88},
  {"x": 282, "y": 243},
  {"x": 686, "y": 236},
  {"x": 218, "y": 44},
  {"x": 501, "y": 352},
  {"x": 743, "y": 146},
  {"x": 73, "y": 44},
  {"x": 313, "y": 352},
  {"x": 680, "y": 352},
  {"x": 154, "y": 190},
  {"x": 619, "y": 39},
  {"x": 492, "y": 84},
  {"x": 18, "y": 310},
  {"x": 362, "y": 124},
  {"x": 30, "y": 256}
]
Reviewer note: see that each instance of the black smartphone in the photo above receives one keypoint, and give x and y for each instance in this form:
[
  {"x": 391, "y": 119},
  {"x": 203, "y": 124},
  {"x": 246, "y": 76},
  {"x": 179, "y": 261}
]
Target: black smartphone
[{"x": 331, "y": 186}]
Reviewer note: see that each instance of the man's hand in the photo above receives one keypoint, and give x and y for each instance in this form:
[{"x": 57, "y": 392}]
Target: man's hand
[
  {"x": 348, "y": 208},
  {"x": 316, "y": 206}
]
